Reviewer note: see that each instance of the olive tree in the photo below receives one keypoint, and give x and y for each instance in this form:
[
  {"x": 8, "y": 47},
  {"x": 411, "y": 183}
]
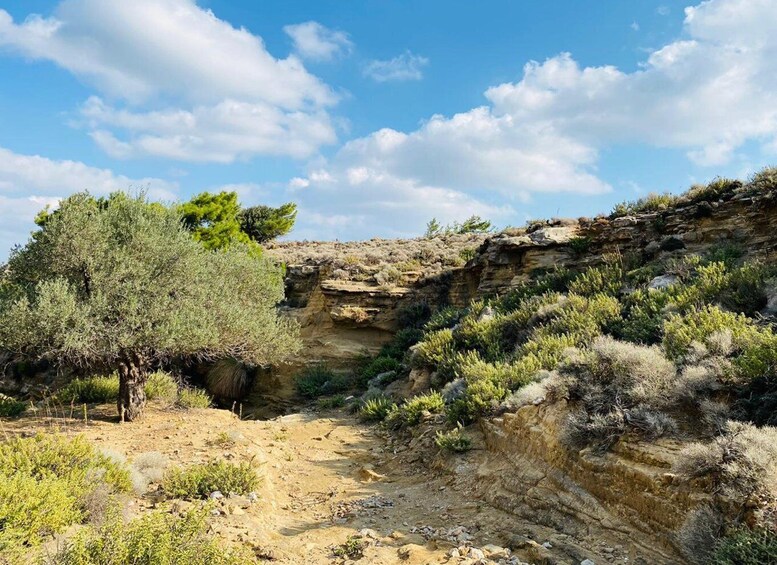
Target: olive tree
[{"x": 122, "y": 284}]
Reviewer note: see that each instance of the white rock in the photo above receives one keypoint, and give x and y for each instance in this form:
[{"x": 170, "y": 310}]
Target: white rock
[
  {"x": 663, "y": 281},
  {"x": 216, "y": 495},
  {"x": 587, "y": 562}
]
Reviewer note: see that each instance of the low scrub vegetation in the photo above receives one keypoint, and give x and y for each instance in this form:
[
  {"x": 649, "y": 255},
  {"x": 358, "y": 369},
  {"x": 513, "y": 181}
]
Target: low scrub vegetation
[
  {"x": 454, "y": 440},
  {"x": 10, "y": 407},
  {"x": 320, "y": 380},
  {"x": 200, "y": 481},
  {"x": 157, "y": 537},
  {"x": 48, "y": 483}
]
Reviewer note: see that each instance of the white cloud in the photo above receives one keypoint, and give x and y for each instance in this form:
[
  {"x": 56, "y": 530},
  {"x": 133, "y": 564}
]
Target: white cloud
[
  {"x": 318, "y": 43},
  {"x": 406, "y": 66},
  {"x": 663, "y": 10},
  {"x": 706, "y": 94},
  {"x": 29, "y": 182},
  {"x": 226, "y": 96},
  {"x": 222, "y": 133},
  {"x": 634, "y": 26}
]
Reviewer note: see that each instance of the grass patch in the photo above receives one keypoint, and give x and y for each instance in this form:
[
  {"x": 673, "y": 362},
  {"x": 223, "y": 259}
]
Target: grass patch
[
  {"x": 90, "y": 390},
  {"x": 189, "y": 398},
  {"x": 454, "y": 440},
  {"x": 161, "y": 386},
  {"x": 376, "y": 409},
  {"x": 199, "y": 481},
  {"x": 157, "y": 537}
]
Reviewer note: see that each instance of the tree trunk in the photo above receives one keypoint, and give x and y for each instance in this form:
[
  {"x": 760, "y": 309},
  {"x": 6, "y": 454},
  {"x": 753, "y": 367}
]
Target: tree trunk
[{"x": 132, "y": 397}]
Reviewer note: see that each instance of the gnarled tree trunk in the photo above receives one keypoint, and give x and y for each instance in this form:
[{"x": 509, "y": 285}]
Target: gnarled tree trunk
[{"x": 132, "y": 397}]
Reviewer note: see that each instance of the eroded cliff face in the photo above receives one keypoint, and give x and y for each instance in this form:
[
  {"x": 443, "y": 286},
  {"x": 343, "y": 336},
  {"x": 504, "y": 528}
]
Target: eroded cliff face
[{"x": 341, "y": 318}]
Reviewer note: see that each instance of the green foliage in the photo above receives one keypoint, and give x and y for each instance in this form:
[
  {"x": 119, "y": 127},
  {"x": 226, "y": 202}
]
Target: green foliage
[
  {"x": 46, "y": 483},
  {"x": 265, "y": 223},
  {"x": 199, "y": 481},
  {"x": 125, "y": 285},
  {"x": 319, "y": 380},
  {"x": 161, "y": 386},
  {"x": 650, "y": 203},
  {"x": 763, "y": 181},
  {"x": 711, "y": 191},
  {"x": 444, "y": 318},
  {"x": 435, "y": 349},
  {"x": 191, "y": 398},
  {"x": 376, "y": 409},
  {"x": 353, "y": 548},
  {"x": 744, "y": 546},
  {"x": 213, "y": 220},
  {"x": 580, "y": 245},
  {"x": 157, "y": 537},
  {"x": 607, "y": 279},
  {"x": 10, "y": 407},
  {"x": 473, "y": 224},
  {"x": 454, "y": 440},
  {"x": 331, "y": 402},
  {"x": 409, "y": 413},
  {"x": 90, "y": 390},
  {"x": 376, "y": 366},
  {"x": 100, "y": 389},
  {"x": 680, "y": 331}
]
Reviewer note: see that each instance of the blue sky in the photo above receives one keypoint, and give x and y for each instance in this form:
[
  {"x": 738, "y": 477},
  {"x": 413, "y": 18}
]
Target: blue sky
[{"x": 376, "y": 116}]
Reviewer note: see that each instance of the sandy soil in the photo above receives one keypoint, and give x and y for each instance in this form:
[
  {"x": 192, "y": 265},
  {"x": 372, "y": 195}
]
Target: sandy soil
[{"x": 325, "y": 477}]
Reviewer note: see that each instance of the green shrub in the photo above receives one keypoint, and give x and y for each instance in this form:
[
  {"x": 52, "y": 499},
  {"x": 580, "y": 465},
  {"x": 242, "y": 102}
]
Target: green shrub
[
  {"x": 650, "y": 203},
  {"x": 353, "y": 548},
  {"x": 331, "y": 402},
  {"x": 90, "y": 390},
  {"x": 454, "y": 440},
  {"x": 319, "y": 380},
  {"x": 607, "y": 279},
  {"x": 161, "y": 386},
  {"x": 414, "y": 315},
  {"x": 643, "y": 317},
  {"x": 377, "y": 366},
  {"x": 435, "y": 349},
  {"x": 376, "y": 409},
  {"x": 403, "y": 340},
  {"x": 409, "y": 413},
  {"x": 680, "y": 331},
  {"x": 190, "y": 398},
  {"x": 580, "y": 245},
  {"x": 199, "y": 481},
  {"x": 763, "y": 181},
  {"x": 444, "y": 318},
  {"x": 10, "y": 407},
  {"x": 157, "y": 537},
  {"x": 747, "y": 547},
  {"x": 711, "y": 191},
  {"x": 49, "y": 482}
]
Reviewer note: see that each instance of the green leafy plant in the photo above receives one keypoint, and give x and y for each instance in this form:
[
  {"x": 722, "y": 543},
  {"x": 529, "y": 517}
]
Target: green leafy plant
[
  {"x": 376, "y": 409},
  {"x": 319, "y": 380},
  {"x": 90, "y": 390},
  {"x": 10, "y": 407},
  {"x": 353, "y": 548},
  {"x": 191, "y": 398},
  {"x": 410, "y": 412},
  {"x": 454, "y": 440}
]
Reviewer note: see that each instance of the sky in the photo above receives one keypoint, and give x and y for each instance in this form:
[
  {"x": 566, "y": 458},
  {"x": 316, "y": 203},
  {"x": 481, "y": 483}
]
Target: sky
[{"x": 375, "y": 116}]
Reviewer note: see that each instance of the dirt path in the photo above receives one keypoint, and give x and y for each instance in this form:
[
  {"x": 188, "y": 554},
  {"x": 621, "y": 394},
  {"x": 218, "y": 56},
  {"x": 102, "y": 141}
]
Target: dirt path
[{"x": 325, "y": 479}]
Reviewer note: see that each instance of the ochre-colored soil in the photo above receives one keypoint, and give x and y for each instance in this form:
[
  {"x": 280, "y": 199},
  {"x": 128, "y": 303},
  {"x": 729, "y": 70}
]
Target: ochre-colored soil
[{"x": 325, "y": 477}]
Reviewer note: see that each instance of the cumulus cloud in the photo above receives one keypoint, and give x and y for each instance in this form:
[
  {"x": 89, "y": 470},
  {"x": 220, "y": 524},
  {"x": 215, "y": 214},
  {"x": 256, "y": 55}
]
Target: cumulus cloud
[
  {"x": 29, "y": 182},
  {"x": 318, "y": 43},
  {"x": 217, "y": 81},
  {"x": 406, "y": 66},
  {"x": 707, "y": 93}
]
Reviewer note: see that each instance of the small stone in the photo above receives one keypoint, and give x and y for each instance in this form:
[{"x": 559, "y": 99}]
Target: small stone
[
  {"x": 216, "y": 495},
  {"x": 587, "y": 562},
  {"x": 476, "y": 553},
  {"x": 547, "y": 545},
  {"x": 252, "y": 497},
  {"x": 494, "y": 551}
]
